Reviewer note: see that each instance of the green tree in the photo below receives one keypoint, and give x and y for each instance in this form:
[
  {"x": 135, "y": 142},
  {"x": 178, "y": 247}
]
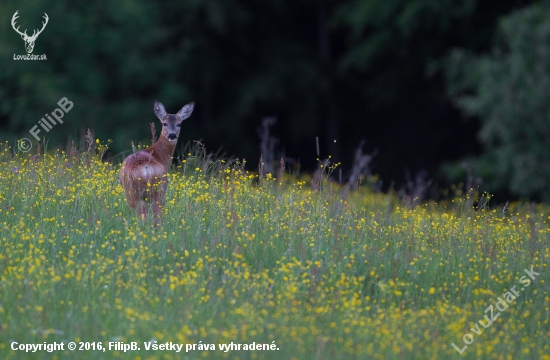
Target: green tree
[
  {"x": 390, "y": 48},
  {"x": 509, "y": 91},
  {"x": 238, "y": 59},
  {"x": 342, "y": 70},
  {"x": 99, "y": 57}
]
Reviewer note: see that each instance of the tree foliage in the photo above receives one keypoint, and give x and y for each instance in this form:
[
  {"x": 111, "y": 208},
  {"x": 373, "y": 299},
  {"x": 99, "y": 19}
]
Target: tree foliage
[
  {"x": 239, "y": 60},
  {"x": 508, "y": 90},
  {"x": 344, "y": 71}
]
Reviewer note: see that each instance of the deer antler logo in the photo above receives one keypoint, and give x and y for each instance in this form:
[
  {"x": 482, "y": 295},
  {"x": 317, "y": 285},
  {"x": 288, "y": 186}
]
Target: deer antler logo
[{"x": 29, "y": 40}]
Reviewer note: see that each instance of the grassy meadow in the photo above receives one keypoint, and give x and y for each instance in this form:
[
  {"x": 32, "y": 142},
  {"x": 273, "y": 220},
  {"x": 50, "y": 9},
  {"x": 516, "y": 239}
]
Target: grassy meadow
[{"x": 277, "y": 262}]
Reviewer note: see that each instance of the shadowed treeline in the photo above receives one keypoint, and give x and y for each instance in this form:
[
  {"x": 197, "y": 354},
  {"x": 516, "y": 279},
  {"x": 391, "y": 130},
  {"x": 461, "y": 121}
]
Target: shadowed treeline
[{"x": 343, "y": 71}]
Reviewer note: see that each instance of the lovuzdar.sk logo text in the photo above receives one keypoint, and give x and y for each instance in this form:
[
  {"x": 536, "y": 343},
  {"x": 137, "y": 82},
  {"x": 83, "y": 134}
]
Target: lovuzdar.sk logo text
[{"x": 29, "y": 40}]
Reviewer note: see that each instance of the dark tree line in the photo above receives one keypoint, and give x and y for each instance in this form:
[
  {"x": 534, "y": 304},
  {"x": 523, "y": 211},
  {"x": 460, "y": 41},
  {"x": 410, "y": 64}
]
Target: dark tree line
[{"x": 344, "y": 71}]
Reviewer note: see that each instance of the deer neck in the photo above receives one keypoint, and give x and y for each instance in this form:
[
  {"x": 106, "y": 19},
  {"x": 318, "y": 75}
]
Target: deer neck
[{"x": 163, "y": 150}]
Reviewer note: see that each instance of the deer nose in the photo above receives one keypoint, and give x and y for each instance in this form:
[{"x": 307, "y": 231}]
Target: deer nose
[{"x": 172, "y": 136}]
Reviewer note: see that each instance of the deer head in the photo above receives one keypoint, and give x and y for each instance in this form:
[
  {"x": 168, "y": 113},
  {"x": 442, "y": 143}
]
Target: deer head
[
  {"x": 29, "y": 40},
  {"x": 171, "y": 123}
]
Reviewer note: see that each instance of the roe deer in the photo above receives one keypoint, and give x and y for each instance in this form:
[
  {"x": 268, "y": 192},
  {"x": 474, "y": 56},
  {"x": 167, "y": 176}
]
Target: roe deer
[{"x": 143, "y": 174}]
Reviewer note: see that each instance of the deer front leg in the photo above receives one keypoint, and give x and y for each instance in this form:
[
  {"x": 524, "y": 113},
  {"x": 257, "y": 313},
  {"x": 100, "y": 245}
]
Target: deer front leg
[
  {"x": 142, "y": 210},
  {"x": 132, "y": 198},
  {"x": 157, "y": 213},
  {"x": 159, "y": 199}
]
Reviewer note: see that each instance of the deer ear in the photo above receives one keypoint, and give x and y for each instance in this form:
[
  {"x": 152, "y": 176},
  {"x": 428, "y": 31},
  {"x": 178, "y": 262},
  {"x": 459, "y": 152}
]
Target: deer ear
[
  {"x": 159, "y": 109},
  {"x": 186, "y": 111}
]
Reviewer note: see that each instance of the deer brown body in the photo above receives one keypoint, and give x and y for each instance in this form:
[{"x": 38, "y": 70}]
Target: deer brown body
[{"x": 143, "y": 174}]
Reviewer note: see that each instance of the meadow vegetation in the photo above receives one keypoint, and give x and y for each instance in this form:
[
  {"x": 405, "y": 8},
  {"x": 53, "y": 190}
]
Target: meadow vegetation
[{"x": 279, "y": 261}]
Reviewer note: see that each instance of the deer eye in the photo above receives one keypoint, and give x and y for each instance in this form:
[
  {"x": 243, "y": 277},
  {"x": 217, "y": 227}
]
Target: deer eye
[
  {"x": 164, "y": 124},
  {"x": 179, "y": 125}
]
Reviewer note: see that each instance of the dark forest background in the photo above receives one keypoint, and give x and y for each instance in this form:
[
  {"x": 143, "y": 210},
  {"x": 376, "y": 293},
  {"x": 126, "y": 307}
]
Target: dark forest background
[{"x": 447, "y": 88}]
